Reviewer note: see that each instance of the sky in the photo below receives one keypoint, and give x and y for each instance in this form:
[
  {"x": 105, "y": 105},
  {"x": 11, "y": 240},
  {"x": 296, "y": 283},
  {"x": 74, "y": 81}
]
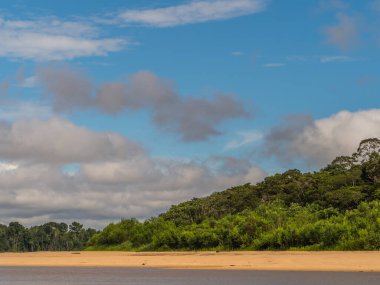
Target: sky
[{"x": 119, "y": 109}]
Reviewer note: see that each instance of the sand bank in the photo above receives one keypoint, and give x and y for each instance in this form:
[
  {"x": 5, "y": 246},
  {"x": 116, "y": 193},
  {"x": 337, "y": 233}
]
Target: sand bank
[{"x": 291, "y": 260}]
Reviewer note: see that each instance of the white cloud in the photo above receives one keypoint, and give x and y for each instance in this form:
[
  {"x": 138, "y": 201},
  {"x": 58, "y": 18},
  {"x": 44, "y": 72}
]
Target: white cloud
[
  {"x": 339, "y": 134},
  {"x": 52, "y": 39},
  {"x": 318, "y": 142},
  {"x": 59, "y": 141},
  {"x": 193, "y": 12},
  {"x": 328, "y": 59},
  {"x": 245, "y": 138},
  {"x": 323, "y": 58},
  {"x": 4, "y": 167}
]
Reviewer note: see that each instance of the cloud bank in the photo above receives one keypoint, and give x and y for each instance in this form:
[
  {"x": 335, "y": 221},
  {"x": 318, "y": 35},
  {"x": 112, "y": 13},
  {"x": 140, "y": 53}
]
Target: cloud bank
[{"x": 116, "y": 178}]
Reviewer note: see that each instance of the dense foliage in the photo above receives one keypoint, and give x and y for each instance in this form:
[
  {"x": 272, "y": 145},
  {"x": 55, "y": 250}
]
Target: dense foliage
[
  {"x": 335, "y": 208},
  {"x": 50, "y": 236}
]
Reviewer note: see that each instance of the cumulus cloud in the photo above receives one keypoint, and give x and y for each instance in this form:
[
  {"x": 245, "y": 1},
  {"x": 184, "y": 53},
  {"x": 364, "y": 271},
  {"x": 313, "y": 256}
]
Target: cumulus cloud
[
  {"x": 318, "y": 142},
  {"x": 193, "y": 119},
  {"x": 116, "y": 178},
  {"x": 198, "y": 11},
  {"x": 345, "y": 34},
  {"x": 59, "y": 141},
  {"x": 52, "y": 39}
]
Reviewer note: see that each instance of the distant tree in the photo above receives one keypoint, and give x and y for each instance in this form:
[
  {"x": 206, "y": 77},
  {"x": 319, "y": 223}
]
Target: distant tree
[
  {"x": 75, "y": 227},
  {"x": 17, "y": 236},
  {"x": 340, "y": 164},
  {"x": 366, "y": 148},
  {"x": 4, "y": 244},
  {"x": 371, "y": 168}
]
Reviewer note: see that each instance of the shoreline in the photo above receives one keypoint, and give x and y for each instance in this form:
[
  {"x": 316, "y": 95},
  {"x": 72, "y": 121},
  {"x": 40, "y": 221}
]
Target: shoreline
[{"x": 334, "y": 261}]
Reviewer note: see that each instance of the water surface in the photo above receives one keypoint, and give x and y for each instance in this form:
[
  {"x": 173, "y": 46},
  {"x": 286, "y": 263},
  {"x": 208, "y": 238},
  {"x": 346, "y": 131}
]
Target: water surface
[{"x": 142, "y": 276}]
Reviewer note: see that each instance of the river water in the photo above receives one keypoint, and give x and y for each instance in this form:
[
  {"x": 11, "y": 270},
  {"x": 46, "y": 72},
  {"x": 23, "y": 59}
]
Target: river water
[{"x": 145, "y": 276}]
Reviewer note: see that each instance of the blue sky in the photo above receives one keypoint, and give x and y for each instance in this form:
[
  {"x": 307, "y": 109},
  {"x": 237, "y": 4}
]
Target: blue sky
[{"x": 197, "y": 95}]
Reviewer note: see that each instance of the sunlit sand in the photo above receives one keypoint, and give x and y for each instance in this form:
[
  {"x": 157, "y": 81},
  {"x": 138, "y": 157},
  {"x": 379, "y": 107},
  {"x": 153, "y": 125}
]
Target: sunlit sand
[{"x": 270, "y": 260}]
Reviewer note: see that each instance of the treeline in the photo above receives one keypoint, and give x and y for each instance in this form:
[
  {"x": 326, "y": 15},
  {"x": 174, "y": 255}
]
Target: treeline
[
  {"x": 335, "y": 208},
  {"x": 272, "y": 225},
  {"x": 50, "y": 236}
]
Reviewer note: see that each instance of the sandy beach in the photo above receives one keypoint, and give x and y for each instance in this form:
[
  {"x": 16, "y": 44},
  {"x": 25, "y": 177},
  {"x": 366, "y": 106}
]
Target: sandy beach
[{"x": 289, "y": 261}]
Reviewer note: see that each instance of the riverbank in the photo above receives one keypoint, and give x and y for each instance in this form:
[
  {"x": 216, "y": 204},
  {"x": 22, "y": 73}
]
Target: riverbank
[{"x": 270, "y": 260}]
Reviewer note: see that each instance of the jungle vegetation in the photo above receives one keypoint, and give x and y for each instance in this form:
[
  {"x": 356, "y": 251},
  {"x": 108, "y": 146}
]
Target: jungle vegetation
[
  {"x": 336, "y": 208},
  {"x": 48, "y": 237}
]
